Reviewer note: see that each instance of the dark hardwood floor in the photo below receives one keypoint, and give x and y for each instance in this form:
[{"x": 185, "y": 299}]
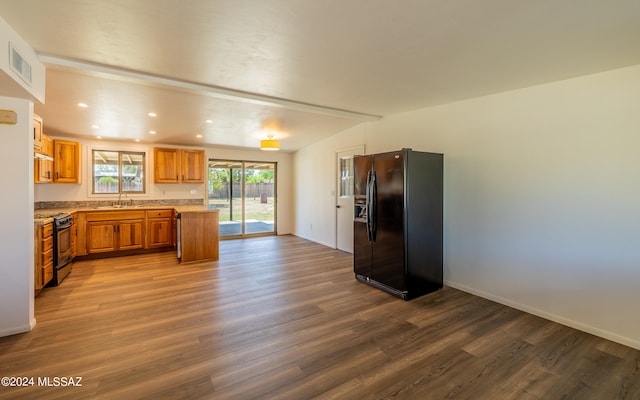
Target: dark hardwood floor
[{"x": 284, "y": 318}]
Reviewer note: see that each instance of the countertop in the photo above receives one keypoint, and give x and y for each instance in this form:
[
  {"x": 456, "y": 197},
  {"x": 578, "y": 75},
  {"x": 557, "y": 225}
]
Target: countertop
[{"x": 178, "y": 208}]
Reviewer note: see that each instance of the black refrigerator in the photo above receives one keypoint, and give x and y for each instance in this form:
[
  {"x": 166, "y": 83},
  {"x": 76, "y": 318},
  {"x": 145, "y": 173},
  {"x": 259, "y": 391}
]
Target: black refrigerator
[{"x": 398, "y": 200}]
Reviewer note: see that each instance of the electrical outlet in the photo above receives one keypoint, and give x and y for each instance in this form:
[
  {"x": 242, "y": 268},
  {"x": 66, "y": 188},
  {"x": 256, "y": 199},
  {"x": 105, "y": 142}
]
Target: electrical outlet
[{"x": 193, "y": 191}]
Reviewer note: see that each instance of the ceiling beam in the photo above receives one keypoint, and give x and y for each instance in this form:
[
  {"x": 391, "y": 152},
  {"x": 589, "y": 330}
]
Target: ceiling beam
[{"x": 210, "y": 90}]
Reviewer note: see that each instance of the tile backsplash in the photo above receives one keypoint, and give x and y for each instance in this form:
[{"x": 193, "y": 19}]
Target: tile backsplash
[{"x": 47, "y": 205}]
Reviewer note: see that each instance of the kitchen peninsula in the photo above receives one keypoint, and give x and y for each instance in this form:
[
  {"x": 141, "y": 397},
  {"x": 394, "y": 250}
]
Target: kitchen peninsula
[{"x": 197, "y": 241}]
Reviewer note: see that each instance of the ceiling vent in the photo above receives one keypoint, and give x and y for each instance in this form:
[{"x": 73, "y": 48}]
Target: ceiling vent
[{"x": 19, "y": 65}]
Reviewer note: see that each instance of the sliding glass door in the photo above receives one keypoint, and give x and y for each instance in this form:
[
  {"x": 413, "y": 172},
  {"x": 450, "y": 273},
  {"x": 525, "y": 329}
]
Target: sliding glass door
[{"x": 245, "y": 194}]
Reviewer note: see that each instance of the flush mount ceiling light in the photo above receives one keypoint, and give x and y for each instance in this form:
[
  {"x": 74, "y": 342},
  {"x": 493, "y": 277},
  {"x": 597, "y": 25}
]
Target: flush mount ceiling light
[{"x": 270, "y": 144}]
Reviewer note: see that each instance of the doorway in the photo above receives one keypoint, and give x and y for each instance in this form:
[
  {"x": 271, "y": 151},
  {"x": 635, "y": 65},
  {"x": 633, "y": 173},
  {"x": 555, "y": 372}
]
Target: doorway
[
  {"x": 344, "y": 198},
  {"x": 245, "y": 194}
]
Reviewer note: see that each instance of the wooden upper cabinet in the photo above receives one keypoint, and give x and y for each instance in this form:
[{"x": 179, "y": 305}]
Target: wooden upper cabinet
[
  {"x": 43, "y": 167},
  {"x": 178, "y": 165},
  {"x": 46, "y": 147},
  {"x": 37, "y": 132},
  {"x": 192, "y": 166},
  {"x": 66, "y": 161},
  {"x": 43, "y": 170},
  {"x": 166, "y": 165}
]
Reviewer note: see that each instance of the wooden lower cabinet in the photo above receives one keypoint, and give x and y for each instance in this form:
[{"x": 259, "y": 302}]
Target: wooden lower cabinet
[
  {"x": 131, "y": 234},
  {"x": 79, "y": 234},
  {"x": 43, "y": 270},
  {"x": 115, "y": 231},
  {"x": 104, "y": 236},
  {"x": 119, "y": 230},
  {"x": 160, "y": 228},
  {"x": 199, "y": 235},
  {"x": 101, "y": 237}
]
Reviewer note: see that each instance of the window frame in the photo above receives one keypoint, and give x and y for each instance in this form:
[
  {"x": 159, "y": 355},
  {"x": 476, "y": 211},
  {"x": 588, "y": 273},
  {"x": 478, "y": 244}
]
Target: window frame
[{"x": 121, "y": 153}]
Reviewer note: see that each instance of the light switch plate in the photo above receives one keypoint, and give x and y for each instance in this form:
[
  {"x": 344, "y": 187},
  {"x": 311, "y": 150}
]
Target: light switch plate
[{"x": 8, "y": 117}]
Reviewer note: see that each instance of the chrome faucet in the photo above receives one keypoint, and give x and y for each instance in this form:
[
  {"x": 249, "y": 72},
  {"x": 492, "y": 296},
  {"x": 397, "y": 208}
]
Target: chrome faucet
[{"x": 120, "y": 198}]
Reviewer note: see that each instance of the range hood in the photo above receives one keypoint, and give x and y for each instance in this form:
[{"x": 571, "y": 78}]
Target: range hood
[{"x": 41, "y": 156}]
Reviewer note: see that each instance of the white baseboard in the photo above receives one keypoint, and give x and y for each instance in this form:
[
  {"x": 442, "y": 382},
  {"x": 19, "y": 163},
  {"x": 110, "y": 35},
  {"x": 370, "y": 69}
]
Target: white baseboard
[
  {"x": 18, "y": 329},
  {"x": 546, "y": 315},
  {"x": 315, "y": 241}
]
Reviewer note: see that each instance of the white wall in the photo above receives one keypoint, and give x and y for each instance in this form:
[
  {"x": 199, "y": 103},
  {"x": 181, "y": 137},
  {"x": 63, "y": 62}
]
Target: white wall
[
  {"x": 315, "y": 185},
  {"x": 16, "y": 230},
  {"x": 82, "y": 191},
  {"x": 542, "y": 187},
  {"x": 12, "y": 83}
]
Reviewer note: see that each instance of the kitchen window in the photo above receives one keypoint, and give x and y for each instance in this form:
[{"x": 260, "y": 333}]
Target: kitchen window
[{"x": 118, "y": 171}]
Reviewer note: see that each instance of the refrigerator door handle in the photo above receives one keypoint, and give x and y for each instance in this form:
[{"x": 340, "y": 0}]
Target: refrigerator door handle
[
  {"x": 373, "y": 212},
  {"x": 368, "y": 205}
]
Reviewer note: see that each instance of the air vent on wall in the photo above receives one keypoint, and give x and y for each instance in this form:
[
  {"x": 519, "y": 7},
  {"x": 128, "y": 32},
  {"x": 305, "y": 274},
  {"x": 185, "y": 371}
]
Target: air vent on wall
[{"x": 20, "y": 65}]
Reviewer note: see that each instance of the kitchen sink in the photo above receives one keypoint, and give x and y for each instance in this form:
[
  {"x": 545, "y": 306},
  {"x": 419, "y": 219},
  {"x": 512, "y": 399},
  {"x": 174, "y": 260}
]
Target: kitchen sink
[{"x": 115, "y": 206}]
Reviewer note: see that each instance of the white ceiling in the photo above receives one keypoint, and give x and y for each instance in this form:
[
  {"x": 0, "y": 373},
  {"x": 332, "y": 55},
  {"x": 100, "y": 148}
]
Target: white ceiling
[{"x": 307, "y": 69}]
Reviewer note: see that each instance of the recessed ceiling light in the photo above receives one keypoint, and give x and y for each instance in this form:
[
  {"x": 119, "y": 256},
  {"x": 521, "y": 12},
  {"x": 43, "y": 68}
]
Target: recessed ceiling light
[
  {"x": 152, "y": 132},
  {"x": 94, "y": 126},
  {"x": 198, "y": 136},
  {"x": 83, "y": 105},
  {"x": 137, "y": 140},
  {"x": 98, "y": 137},
  {"x": 152, "y": 114},
  {"x": 209, "y": 121}
]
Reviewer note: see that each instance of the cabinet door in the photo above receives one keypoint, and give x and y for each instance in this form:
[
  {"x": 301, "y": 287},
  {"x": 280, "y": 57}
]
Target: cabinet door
[
  {"x": 131, "y": 234},
  {"x": 166, "y": 165},
  {"x": 159, "y": 232},
  {"x": 43, "y": 170},
  {"x": 80, "y": 222},
  {"x": 37, "y": 132},
  {"x": 66, "y": 162},
  {"x": 47, "y": 145},
  {"x": 193, "y": 166},
  {"x": 43, "y": 260},
  {"x": 101, "y": 236},
  {"x": 74, "y": 237}
]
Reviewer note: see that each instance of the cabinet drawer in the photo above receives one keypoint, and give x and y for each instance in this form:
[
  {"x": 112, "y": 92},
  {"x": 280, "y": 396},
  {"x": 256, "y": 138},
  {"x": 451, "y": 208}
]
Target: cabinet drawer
[
  {"x": 47, "y": 230},
  {"x": 47, "y": 273},
  {"x": 47, "y": 257},
  {"x": 160, "y": 213},
  {"x": 114, "y": 215},
  {"x": 47, "y": 244}
]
